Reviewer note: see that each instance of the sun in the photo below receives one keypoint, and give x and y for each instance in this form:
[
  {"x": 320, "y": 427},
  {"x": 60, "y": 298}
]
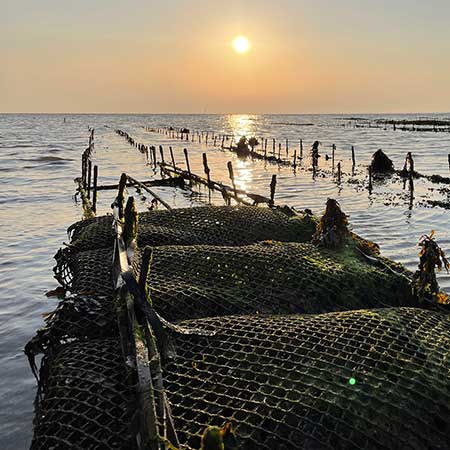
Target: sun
[{"x": 241, "y": 44}]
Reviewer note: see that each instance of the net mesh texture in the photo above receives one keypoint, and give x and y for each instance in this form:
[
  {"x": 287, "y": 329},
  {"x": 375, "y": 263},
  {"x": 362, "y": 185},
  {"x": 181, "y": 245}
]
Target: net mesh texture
[{"x": 363, "y": 379}]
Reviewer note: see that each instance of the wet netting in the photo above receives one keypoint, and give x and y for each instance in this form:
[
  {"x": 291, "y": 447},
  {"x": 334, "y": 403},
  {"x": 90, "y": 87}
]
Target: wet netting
[
  {"x": 220, "y": 225},
  {"x": 298, "y": 355},
  {"x": 354, "y": 380},
  {"x": 269, "y": 277},
  {"x": 76, "y": 318},
  {"x": 87, "y": 403},
  {"x": 87, "y": 272}
]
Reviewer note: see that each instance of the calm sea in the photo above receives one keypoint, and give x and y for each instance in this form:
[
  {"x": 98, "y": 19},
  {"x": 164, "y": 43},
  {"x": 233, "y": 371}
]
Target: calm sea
[{"x": 40, "y": 156}]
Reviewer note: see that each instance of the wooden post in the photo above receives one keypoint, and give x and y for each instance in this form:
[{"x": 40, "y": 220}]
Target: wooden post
[
  {"x": 448, "y": 157},
  {"x": 187, "y": 162},
  {"x": 82, "y": 167},
  {"x": 161, "y": 151},
  {"x": 333, "y": 149},
  {"x": 206, "y": 169},
  {"x": 231, "y": 173},
  {"x": 273, "y": 146},
  {"x": 273, "y": 185},
  {"x": 295, "y": 157},
  {"x": 353, "y": 157},
  {"x": 89, "y": 178},
  {"x": 279, "y": 150},
  {"x": 120, "y": 194},
  {"x": 339, "y": 172},
  {"x": 287, "y": 147},
  {"x": 223, "y": 141},
  {"x": 171, "y": 156},
  {"x": 145, "y": 266},
  {"x": 301, "y": 149},
  {"x": 154, "y": 155},
  {"x": 265, "y": 147},
  {"x": 215, "y": 139},
  {"x": 94, "y": 190},
  {"x": 207, "y": 136},
  {"x": 370, "y": 180}
]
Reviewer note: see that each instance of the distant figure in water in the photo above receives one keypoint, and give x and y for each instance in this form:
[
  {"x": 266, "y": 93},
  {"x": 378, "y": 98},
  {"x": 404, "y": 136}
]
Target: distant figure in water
[{"x": 64, "y": 120}]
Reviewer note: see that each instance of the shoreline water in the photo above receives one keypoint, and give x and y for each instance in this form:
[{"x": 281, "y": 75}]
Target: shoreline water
[{"x": 38, "y": 207}]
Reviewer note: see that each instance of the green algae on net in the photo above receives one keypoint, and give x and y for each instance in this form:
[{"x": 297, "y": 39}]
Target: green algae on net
[{"x": 242, "y": 274}]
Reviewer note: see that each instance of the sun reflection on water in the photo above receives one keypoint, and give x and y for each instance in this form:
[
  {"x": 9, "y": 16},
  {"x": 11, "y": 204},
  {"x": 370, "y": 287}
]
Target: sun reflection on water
[
  {"x": 243, "y": 174},
  {"x": 243, "y": 124}
]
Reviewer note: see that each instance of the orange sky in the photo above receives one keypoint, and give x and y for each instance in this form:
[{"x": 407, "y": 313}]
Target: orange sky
[{"x": 307, "y": 56}]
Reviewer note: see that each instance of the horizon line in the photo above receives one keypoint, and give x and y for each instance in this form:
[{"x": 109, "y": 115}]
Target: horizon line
[{"x": 222, "y": 113}]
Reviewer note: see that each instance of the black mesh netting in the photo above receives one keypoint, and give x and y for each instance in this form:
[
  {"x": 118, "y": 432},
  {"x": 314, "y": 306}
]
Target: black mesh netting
[
  {"x": 87, "y": 272},
  {"x": 272, "y": 277},
  {"x": 87, "y": 402},
  {"x": 354, "y": 380},
  {"x": 76, "y": 317},
  {"x": 269, "y": 277},
  {"x": 368, "y": 379},
  {"x": 220, "y": 225}
]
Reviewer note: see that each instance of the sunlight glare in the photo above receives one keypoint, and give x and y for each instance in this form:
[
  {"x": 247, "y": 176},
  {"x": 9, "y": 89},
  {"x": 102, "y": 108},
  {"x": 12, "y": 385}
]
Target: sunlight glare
[{"x": 241, "y": 44}]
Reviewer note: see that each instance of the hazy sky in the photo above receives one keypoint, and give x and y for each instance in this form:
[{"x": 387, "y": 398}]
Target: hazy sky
[{"x": 307, "y": 56}]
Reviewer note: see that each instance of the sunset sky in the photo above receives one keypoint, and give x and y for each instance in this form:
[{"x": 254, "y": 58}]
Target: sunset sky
[{"x": 305, "y": 56}]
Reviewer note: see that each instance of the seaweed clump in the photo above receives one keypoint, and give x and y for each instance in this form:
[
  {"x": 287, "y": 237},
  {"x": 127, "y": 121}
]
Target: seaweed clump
[
  {"x": 381, "y": 164},
  {"x": 253, "y": 142},
  {"x": 215, "y": 438},
  {"x": 332, "y": 230},
  {"x": 431, "y": 257}
]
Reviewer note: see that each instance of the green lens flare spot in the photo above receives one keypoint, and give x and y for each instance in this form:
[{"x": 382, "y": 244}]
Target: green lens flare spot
[{"x": 352, "y": 381}]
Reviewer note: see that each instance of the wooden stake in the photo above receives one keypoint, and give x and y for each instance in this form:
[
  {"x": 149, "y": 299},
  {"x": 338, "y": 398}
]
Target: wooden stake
[
  {"x": 161, "y": 151},
  {"x": 89, "y": 179},
  {"x": 145, "y": 266},
  {"x": 301, "y": 149},
  {"x": 339, "y": 172},
  {"x": 273, "y": 185},
  {"x": 333, "y": 149},
  {"x": 171, "y": 156},
  {"x": 370, "y": 180},
  {"x": 231, "y": 173},
  {"x": 353, "y": 157},
  {"x": 94, "y": 191},
  {"x": 206, "y": 169},
  {"x": 186, "y": 156},
  {"x": 154, "y": 156}
]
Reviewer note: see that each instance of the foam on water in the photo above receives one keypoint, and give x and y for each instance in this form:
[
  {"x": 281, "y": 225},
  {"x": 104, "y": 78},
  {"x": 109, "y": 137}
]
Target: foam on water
[{"x": 40, "y": 156}]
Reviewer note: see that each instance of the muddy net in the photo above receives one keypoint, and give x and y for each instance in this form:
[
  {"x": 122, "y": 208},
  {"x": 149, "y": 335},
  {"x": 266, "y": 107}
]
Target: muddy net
[
  {"x": 355, "y": 380},
  {"x": 220, "y": 225}
]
